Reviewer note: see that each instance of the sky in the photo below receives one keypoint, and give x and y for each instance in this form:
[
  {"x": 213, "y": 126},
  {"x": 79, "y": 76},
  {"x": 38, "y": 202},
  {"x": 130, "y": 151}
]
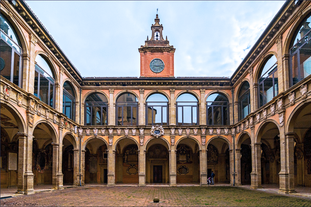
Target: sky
[{"x": 101, "y": 38}]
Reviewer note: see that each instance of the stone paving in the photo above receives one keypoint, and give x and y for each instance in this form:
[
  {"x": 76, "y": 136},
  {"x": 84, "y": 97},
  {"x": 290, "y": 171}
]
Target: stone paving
[{"x": 92, "y": 195}]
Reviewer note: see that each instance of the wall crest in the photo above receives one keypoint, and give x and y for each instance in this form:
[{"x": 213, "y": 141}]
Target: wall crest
[{"x": 157, "y": 131}]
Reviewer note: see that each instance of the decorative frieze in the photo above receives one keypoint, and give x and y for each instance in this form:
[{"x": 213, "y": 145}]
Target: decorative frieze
[
  {"x": 6, "y": 92},
  {"x": 246, "y": 124},
  {"x": 233, "y": 131},
  {"x": 211, "y": 131},
  {"x": 264, "y": 114},
  {"x": 258, "y": 117},
  {"x": 180, "y": 131},
  {"x": 251, "y": 121},
  {"x": 141, "y": 140},
  {"x": 110, "y": 131},
  {"x": 141, "y": 131},
  {"x": 303, "y": 91},
  {"x": 30, "y": 119},
  {"x": 55, "y": 118},
  {"x": 95, "y": 131},
  {"x": 203, "y": 140},
  {"x": 281, "y": 118},
  {"x": 291, "y": 98},
  {"x": 118, "y": 131},
  {"x": 195, "y": 131},
  {"x": 280, "y": 104},
  {"x": 203, "y": 131},
  {"x": 218, "y": 131},
  {"x": 172, "y": 131},
  {"x": 87, "y": 132},
  {"x": 39, "y": 109},
  {"x": 75, "y": 129},
  {"x": 134, "y": 132},
  {"x": 226, "y": 130},
  {"x": 19, "y": 99},
  {"x": 187, "y": 131},
  {"x": 61, "y": 122},
  {"x": 102, "y": 132},
  {"x": 126, "y": 132},
  {"x": 80, "y": 130},
  {"x": 110, "y": 140},
  {"x": 272, "y": 109},
  {"x": 172, "y": 140}
]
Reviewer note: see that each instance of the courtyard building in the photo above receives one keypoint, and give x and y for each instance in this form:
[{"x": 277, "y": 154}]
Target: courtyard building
[{"x": 58, "y": 128}]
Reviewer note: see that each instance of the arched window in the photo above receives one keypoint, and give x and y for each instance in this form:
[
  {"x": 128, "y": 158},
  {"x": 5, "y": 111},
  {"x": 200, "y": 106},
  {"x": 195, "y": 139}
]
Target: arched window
[
  {"x": 10, "y": 53},
  {"x": 187, "y": 109},
  {"x": 96, "y": 109},
  {"x": 157, "y": 35},
  {"x": 244, "y": 101},
  {"x": 44, "y": 85},
  {"x": 127, "y": 110},
  {"x": 268, "y": 81},
  {"x": 300, "y": 61},
  {"x": 217, "y": 109},
  {"x": 68, "y": 101},
  {"x": 156, "y": 109}
]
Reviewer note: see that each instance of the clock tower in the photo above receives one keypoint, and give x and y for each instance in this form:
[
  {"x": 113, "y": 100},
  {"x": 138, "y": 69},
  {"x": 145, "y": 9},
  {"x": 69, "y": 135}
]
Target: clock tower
[{"x": 157, "y": 55}]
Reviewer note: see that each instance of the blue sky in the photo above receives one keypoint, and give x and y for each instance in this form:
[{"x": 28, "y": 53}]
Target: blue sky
[{"x": 101, "y": 38}]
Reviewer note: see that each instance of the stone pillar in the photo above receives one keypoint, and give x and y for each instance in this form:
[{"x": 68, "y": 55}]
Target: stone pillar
[
  {"x": 142, "y": 111},
  {"x": 29, "y": 178},
  {"x": 82, "y": 164},
  {"x": 236, "y": 111},
  {"x": 287, "y": 151},
  {"x": 172, "y": 112},
  {"x": 256, "y": 166},
  {"x": 22, "y": 148},
  {"x": 142, "y": 166},
  {"x": 111, "y": 166},
  {"x": 76, "y": 167},
  {"x": 202, "y": 109},
  {"x": 281, "y": 70},
  {"x": 26, "y": 71},
  {"x": 111, "y": 109},
  {"x": 60, "y": 161},
  {"x": 55, "y": 177},
  {"x": 30, "y": 70},
  {"x": 251, "y": 90},
  {"x": 203, "y": 166},
  {"x": 231, "y": 163},
  {"x": 256, "y": 97},
  {"x": 238, "y": 173},
  {"x": 172, "y": 167}
]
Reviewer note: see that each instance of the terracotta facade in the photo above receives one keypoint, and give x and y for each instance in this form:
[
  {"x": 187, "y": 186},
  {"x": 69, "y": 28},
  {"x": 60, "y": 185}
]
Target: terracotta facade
[{"x": 259, "y": 145}]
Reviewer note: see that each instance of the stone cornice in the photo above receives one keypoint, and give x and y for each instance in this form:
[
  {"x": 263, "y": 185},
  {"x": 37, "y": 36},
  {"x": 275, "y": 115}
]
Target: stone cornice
[{"x": 156, "y": 49}]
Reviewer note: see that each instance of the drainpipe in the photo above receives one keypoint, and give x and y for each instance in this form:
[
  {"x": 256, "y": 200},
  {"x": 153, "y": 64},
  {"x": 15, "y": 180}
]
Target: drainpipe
[
  {"x": 233, "y": 136},
  {"x": 80, "y": 184}
]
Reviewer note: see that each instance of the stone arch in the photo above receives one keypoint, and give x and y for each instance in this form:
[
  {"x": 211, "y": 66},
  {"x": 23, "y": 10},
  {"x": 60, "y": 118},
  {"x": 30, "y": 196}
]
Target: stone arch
[
  {"x": 189, "y": 137},
  {"x": 125, "y": 91},
  {"x": 187, "y": 91},
  {"x": 240, "y": 139},
  {"x": 18, "y": 30},
  {"x": 152, "y": 138},
  {"x": 157, "y": 91},
  {"x": 289, "y": 126},
  {"x": 50, "y": 62},
  {"x": 293, "y": 29},
  {"x": 73, "y": 140},
  {"x": 18, "y": 117},
  {"x": 74, "y": 87},
  {"x": 95, "y": 91},
  {"x": 262, "y": 126},
  {"x": 90, "y": 138},
  {"x": 219, "y": 137},
  {"x": 219, "y": 91},
  {"x": 236, "y": 96},
  {"x": 261, "y": 64},
  {"x": 51, "y": 127},
  {"x": 122, "y": 138}
]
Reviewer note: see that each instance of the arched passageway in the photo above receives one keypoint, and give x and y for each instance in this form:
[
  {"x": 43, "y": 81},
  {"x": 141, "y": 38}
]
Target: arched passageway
[
  {"x": 244, "y": 160},
  {"x": 157, "y": 162},
  {"x": 96, "y": 159},
  {"x": 126, "y": 161},
  {"x": 68, "y": 160},
  {"x": 188, "y": 161},
  {"x": 218, "y": 160}
]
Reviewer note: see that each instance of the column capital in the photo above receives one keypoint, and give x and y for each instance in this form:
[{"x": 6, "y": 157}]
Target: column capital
[{"x": 21, "y": 135}]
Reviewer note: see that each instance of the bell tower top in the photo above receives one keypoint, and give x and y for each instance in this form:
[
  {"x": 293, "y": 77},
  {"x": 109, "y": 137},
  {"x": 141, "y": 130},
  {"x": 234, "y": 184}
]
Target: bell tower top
[{"x": 157, "y": 55}]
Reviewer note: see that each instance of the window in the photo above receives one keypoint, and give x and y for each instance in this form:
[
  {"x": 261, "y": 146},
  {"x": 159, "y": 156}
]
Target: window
[
  {"x": 157, "y": 35},
  {"x": 96, "y": 109},
  {"x": 217, "y": 109},
  {"x": 300, "y": 56},
  {"x": 44, "y": 85},
  {"x": 127, "y": 110},
  {"x": 187, "y": 109},
  {"x": 68, "y": 101},
  {"x": 268, "y": 81},
  {"x": 10, "y": 53},
  {"x": 157, "y": 109},
  {"x": 244, "y": 101}
]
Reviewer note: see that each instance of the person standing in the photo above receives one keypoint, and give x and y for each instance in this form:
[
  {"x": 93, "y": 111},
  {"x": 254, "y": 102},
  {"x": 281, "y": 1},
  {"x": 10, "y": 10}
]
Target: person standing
[{"x": 212, "y": 176}]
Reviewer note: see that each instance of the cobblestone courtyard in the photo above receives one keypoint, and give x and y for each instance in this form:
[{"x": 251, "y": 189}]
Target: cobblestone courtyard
[{"x": 143, "y": 196}]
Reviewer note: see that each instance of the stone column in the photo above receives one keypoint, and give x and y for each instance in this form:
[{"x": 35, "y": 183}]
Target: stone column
[
  {"x": 55, "y": 178},
  {"x": 231, "y": 163},
  {"x": 256, "y": 166},
  {"x": 203, "y": 166},
  {"x": 142, "y": 166},
  {"x": 238, "y": 173},
  {"x": 281, "y": 70},
  {"x": 202, "y": 108},
  {"x": 256, "y": 97},
  {"x": 141, "y": 105},
  {"x": 111, "y": 109},
  {"x": 119, "y": 167},
  {"x": 287, "y": 151},
  {"x": 25, "y": 73},
  {"x": 22, "y": 148},
  {"x": 236, "y": 111},
  {"x": 60, "y": 161},
  {"x": 82, "y": 164},
  {"x": 172, "y": 167},
  {"x": 31, "y": 69},
  {"x": 29, "y": 178},
  {"x": 76, "y": 167},
  {"x": 111, "y": 166},
  {"x": 251, "y": 90},
  {"x": 172, "y": 112}
]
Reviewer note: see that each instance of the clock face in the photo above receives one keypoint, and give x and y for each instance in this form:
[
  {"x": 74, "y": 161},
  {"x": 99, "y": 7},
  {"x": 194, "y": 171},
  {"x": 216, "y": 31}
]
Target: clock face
[{"x": 157, "y": 65}]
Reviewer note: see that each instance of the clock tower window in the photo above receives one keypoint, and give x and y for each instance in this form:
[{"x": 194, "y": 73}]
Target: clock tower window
[{"x": 157, "y": 35}]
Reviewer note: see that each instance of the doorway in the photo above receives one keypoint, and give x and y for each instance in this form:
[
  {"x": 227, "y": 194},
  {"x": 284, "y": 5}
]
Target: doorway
[{"x": 157, "y": 173}]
